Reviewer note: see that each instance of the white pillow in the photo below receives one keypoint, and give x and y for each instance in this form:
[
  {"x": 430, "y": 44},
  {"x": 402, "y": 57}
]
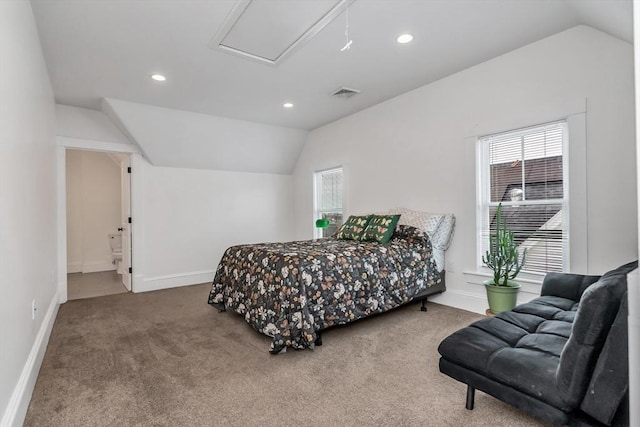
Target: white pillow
[
  {"x": 439, "y": 227},
  {"x": 441, "y": 238},
  {"x": 425, "y": 221}
]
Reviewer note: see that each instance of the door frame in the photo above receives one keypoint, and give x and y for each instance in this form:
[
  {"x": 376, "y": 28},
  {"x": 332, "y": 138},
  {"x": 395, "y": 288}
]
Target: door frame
[
  {"x": 125, "y": 213},
  {"x": 67, "y": 143}
]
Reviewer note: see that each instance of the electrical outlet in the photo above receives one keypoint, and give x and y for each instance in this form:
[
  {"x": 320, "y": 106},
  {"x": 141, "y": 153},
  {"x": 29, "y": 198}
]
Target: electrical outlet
[{"x": 34, "y": 308}]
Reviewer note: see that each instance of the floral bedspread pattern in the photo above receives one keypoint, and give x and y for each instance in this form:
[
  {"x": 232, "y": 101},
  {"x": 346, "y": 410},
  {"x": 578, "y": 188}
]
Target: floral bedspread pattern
[{"x": 289, "y": 291}]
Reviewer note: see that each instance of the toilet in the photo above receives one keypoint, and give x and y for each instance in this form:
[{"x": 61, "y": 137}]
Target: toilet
[{"x": 115, "y": 241}]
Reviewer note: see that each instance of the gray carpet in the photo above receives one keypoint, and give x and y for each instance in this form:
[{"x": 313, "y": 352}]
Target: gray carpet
[{"x": 166, "y": 358}]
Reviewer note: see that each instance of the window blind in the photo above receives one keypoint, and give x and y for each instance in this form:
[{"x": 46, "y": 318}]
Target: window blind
[
  {"x": 525, "y": 173},
  {"x": 331, "y": 190},
  {"x": 329, "y": 186}
]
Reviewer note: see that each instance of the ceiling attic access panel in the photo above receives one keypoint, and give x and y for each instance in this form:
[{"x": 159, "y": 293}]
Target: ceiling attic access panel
[{"x": 268, "y": 31}]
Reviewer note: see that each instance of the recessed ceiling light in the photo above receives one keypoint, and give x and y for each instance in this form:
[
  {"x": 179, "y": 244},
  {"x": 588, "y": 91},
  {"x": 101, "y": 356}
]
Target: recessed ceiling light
[
  {"x": 287, "y": 105},
  {"x": 158, "y": 77},
  {"x": 404, "y": 38}
]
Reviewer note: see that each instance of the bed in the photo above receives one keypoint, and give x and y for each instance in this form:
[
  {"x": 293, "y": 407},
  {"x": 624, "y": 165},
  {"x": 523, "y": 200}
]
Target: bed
[{"x": 293, "y": 291}]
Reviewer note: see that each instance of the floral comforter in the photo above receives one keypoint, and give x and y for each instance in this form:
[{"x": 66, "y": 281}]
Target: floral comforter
[{"x": 289, "y": 291}]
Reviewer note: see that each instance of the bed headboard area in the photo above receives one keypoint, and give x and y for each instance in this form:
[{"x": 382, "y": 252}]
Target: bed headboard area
[{"x": 438, "y": 226}]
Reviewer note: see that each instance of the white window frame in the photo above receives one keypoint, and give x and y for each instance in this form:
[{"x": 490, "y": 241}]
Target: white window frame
[
  {"x": 484, "y": 203},
  {"x": 317, "y": 191}
]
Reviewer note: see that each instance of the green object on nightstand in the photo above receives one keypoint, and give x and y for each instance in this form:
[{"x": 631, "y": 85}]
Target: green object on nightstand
[{"x": 322, "y": 223}]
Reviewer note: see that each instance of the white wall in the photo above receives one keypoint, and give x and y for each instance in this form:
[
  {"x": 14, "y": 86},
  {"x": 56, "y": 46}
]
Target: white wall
[
  {"x": 417, "y": 150},
  {"x": 177, "y": 138},
  {"x": 82, "y": 123},
  {"x": 93, "y": 210},
  {"x": 27, "y": 208},
  {"x": 184, "y": 219},
  {"x": 633, "y": 285}
]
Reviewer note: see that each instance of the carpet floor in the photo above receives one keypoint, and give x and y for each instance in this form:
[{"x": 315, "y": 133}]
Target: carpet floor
[{"x": 166, "y": 358}]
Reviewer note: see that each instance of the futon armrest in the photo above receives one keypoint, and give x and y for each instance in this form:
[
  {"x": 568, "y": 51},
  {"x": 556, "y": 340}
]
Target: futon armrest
[{"x": 566, "y": 285}]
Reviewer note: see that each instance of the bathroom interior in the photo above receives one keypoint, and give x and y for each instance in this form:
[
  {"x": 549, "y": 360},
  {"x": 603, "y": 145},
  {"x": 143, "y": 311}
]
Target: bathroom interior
[{"x": 94, "y": 223}]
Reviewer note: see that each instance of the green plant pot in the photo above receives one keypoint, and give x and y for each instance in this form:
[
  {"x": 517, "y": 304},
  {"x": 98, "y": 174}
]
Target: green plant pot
[{"x": 501, "y": 298}]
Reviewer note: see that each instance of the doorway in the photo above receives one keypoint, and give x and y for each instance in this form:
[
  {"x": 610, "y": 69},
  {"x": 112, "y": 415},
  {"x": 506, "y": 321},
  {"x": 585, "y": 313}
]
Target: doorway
[{"x": 98, "y": 233}]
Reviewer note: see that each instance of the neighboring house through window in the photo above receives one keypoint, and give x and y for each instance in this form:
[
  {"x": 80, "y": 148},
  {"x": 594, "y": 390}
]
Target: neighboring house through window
[
  {"x": 328, "y": 200},
  {"x": 525, "y": 171}
]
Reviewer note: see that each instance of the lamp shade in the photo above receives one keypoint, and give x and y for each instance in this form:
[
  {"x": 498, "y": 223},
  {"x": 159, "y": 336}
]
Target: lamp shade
[{"x": 322, "y": 223}]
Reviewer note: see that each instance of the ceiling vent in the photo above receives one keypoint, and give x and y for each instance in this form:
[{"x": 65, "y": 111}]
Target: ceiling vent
[{"x": 345, "y": 92}]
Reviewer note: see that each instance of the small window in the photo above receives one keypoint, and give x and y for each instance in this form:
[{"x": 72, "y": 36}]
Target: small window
[
  {"x": 525, "y": 171},
  {"x": 328, "y": 186}
]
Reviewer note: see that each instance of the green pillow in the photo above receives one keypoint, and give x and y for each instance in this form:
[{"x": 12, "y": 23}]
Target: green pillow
[
  {"x": 353, "y": 228},
  {"x": 380, "y": 228}
]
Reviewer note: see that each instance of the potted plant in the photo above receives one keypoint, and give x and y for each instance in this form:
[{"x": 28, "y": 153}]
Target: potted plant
[{"x": 503, "y": 257}]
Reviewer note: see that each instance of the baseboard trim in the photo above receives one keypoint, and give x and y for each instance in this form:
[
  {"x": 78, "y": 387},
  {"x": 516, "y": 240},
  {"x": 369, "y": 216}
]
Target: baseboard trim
[
  {"x": 148, "y": 284},
  {"x": 96, "y": 266},
  {"x": 62, "y": 290},
  {"x": 74, "y": 267},
  {"x": 461, "y": 299},
  {"x": 19, "y": 403},
  {"x": 90, "y": 267},
  {"x": 474, "y": 302}
]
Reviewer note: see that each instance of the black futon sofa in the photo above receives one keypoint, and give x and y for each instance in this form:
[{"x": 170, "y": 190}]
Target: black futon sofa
[{"x": 561, "y": 357}]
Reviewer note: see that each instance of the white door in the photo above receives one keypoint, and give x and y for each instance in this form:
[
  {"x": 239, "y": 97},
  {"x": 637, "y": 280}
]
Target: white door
[{"x": 126, "y": 226}]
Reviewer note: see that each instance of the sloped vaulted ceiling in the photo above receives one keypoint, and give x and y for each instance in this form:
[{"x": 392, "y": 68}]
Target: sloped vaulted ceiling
[
  {"x": 182, "y": 139},
  {"x": 218, "y": 110}
]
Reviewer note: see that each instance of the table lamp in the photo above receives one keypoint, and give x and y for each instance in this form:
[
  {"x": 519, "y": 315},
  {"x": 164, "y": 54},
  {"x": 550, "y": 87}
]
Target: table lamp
[{"x": 322, "y": 223}]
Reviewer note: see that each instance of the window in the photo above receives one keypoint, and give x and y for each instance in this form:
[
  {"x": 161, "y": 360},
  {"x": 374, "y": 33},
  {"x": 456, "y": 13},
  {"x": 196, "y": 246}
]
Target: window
[
  {"x": 525, "y": 171},
  {"x": 328, "y": 186}
]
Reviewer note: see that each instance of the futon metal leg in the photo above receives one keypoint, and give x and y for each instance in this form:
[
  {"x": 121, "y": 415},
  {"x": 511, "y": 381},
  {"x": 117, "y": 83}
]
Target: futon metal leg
[
  {"x": 424, "y": 307},
  {"x": 318, "y": 340},
  {"x": 471, "y": 393}
]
